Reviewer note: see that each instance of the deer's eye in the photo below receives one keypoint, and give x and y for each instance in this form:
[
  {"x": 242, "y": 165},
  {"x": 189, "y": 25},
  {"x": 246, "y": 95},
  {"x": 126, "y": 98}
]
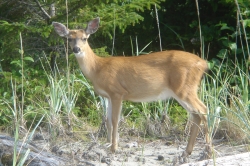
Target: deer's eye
[{"x": 84, "y": 39}]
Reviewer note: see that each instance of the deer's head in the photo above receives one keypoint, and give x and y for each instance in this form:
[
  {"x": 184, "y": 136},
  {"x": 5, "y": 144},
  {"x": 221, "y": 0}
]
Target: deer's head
[{"x": 77, "y": 38}]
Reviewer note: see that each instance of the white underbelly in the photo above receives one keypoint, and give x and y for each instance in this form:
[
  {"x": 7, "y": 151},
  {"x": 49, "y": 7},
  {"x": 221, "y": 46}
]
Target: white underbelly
[{"x": 144, "y": 97}]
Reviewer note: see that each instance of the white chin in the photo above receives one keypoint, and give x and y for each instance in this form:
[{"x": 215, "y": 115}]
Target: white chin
[{"x": 80, "y": 54}]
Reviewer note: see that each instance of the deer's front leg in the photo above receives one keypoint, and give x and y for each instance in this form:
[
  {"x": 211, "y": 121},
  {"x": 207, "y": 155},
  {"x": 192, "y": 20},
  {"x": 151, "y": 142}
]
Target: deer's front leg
[
  {"x": 116, "y": 111},
  {"x": 109, "y": 121}
]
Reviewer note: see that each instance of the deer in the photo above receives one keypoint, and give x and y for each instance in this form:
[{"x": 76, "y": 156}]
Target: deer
[{"x": 145, "y": 78}]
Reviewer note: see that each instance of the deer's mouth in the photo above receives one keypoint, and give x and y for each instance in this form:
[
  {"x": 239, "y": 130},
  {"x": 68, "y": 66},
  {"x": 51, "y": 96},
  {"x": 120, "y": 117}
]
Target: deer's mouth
[{"x": 79, "y": 54}]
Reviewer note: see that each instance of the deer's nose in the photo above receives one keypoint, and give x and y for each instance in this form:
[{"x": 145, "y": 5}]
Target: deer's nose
[{"x": 76, "y": 49}]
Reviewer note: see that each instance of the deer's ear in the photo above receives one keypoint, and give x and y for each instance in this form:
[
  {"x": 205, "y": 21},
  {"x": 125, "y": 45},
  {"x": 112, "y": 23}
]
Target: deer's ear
[
  {"x": 60, "y": 29},
  {"x": 92, "y": 26}
]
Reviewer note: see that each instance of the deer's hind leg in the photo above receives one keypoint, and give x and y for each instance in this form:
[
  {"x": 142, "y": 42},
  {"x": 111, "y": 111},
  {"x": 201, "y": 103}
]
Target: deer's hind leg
[{"x": 198, "y": 113}]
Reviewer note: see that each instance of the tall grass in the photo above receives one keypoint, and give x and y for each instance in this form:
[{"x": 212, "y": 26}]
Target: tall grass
[
  {"x": 228, "y": 105},
  {"x": 20, "y": 153}
]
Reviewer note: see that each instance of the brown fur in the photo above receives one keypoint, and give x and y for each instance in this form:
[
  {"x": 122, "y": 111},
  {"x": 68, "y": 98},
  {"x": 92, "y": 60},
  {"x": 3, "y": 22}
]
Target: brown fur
[{"x": 156, "y": 76}]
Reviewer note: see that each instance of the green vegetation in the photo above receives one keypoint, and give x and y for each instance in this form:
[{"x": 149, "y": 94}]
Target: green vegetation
[{"x": 41, "y": 83}]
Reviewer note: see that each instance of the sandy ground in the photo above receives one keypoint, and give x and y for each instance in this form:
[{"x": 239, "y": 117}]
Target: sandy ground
[
  {"x": 242, "y": 159},
  {"x": 147, "y": 153}
]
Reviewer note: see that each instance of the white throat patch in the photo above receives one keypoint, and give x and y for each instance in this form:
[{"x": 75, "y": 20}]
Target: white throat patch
[{"x": 80, "y": 54}]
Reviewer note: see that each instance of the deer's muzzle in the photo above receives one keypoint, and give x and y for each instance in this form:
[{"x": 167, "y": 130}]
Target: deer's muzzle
[{"x": 76, "y": 50}]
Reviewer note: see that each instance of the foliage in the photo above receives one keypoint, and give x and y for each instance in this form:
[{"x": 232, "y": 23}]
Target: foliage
[{"x": 33, "y": 19}]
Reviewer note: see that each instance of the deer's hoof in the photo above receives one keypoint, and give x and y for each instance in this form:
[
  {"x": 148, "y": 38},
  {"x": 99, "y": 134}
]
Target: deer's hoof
[{"x": 114, "y": 148}]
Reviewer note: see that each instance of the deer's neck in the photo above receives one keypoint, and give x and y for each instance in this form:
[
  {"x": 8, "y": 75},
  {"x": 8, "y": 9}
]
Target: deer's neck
[{"x": 88, "y": 62}]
